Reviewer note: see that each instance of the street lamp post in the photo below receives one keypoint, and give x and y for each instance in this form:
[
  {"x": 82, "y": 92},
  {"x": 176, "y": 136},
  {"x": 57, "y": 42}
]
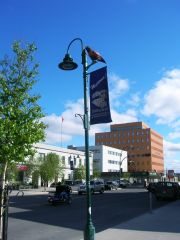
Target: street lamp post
[
  {"x": 120, "y": 164},
  {"x": 68, "y": 64}
]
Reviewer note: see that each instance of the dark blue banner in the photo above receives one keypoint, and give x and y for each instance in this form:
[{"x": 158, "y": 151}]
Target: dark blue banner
[{"x": 99, "y": 97}]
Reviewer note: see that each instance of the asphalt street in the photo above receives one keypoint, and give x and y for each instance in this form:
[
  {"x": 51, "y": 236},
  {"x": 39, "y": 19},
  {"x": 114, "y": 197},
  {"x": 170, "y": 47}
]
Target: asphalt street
[{"x": 31, "y": 217}]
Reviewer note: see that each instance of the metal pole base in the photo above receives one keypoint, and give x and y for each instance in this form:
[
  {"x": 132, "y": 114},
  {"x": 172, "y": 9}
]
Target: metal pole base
[{"x": 89, "y": 232}]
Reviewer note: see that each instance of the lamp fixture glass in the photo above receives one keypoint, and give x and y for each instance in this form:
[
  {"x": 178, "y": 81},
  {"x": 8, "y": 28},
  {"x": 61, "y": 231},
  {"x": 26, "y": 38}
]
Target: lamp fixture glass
[{"x": 68, "y": 63}]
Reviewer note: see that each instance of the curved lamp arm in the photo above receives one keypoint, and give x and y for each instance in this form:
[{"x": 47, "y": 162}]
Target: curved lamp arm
[{"x": 75, "y": 39}]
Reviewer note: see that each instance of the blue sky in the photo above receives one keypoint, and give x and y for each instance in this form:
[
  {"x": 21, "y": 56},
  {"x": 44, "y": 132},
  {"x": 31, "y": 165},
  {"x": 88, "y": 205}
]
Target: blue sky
[{"x": 140, "y": 41}]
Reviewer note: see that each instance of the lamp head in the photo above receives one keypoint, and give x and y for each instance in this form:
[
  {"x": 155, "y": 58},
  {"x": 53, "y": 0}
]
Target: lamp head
[{"x": 67, "y": 63}]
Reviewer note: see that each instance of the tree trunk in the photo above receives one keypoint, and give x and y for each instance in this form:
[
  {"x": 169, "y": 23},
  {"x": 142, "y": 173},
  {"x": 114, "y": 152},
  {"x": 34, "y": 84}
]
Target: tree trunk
[{"x": 2, "y": 197}]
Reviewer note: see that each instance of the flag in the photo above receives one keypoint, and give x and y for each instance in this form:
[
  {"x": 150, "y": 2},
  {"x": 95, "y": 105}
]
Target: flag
[
  {"x": 99, "y": 97},
  {"x": 62, "y": 119},
  {"x": 94, "y": 56}
]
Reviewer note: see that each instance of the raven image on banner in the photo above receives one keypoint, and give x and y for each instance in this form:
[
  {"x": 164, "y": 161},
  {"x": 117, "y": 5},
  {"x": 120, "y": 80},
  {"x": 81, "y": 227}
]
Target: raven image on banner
[{"x": 99, "y": 97}]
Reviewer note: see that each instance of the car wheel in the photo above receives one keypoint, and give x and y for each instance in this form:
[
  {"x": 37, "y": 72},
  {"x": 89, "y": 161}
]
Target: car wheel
[
  {"x": 101, "y": 191},
  {"x": 159, "y": 198}
]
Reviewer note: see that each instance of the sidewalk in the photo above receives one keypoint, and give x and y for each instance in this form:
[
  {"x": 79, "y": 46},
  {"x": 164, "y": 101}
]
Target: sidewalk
[
  {"x": 30, "y": 191},
  {"x": 162, "y": 224}
]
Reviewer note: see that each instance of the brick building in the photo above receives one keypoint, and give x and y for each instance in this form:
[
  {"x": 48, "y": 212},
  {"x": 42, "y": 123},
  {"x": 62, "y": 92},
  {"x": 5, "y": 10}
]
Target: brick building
[{"x": 143, "y": 144}]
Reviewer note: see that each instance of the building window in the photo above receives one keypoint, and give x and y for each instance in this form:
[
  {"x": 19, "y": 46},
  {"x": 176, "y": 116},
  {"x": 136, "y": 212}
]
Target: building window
[
  {"x": 42, "y": 156},
  {"x": 63, "y": 159},
  {"x": 69, "y": 159},
  {"x": 74, "y": 161}
]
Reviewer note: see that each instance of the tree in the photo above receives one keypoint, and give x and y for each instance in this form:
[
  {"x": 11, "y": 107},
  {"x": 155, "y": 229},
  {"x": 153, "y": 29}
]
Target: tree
[
  {"x": 20, "y": 114},
  {"x": 96, "y": 172},
  {"x": 51, "y": 168},
  {"x": 80, "y": 172}
]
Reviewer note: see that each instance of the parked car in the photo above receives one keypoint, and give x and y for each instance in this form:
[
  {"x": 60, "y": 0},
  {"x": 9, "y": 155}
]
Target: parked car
[
  {"x": 109, "y": 185},
  {"x": 53, "y": 185},
  {"x": 151, "y": 187},
  {"x": 123, "y": 183},
  {"x": 95, "y": 186},
  {"x": 69, "y": 182},
  {"x": 167, "y": 190}
]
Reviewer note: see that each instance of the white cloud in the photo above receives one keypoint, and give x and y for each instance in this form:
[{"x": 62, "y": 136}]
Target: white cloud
[
  {"x": 171, "y": 156},
  {"x": 118, "y": 87},
  {"x": 173, "y": 164},
  {"x": 157, "y": 102},
  {"x": 176, "y": 124},
  {"x": 174, "y": 135},
  {"x": 171, "y": 147},
  {"x": 73, "y": 126},
  {"x": 58, "y": 131},
  {"x": 135, "y": 99},
  {"x": 163, "y": 100},
  {"x": 129, "y": 116},
  {"x": 54, "y": 138}
]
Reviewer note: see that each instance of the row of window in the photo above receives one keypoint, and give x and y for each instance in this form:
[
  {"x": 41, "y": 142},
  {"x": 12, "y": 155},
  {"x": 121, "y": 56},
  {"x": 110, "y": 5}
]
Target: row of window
[
  {"x": 124, "y": 141},
  {"x": 95, "y": 151},
  {"x": 139, "y": 155},
  {"x": 76, "y": 161},
  {"x": 113, "y": 162},
  {"x": 125, "y": 128},
  {"x": 127, "y": 147},
  {"x": 114, "y": 153},
  {"x": 118, "y": 134},
  {"x": 142, "y": 163}
]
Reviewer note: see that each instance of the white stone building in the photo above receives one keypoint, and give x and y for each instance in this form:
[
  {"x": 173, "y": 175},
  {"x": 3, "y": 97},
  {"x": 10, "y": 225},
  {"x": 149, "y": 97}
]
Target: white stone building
[{"x": 66, "y": 155}]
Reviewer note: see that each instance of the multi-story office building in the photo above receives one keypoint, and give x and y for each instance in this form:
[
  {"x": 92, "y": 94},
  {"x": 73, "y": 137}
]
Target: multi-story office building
[
  {"x": 108, "y": 159},
  {"x": 143, "y": 144}
]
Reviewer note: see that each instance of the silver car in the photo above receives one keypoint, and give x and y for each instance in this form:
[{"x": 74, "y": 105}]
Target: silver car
[{"x": 95, "y": 186}]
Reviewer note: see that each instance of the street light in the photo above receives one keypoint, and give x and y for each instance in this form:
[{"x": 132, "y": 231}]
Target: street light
[
  {"x": 120, "y": 164},
  {"x": 69, "y": 64}
]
